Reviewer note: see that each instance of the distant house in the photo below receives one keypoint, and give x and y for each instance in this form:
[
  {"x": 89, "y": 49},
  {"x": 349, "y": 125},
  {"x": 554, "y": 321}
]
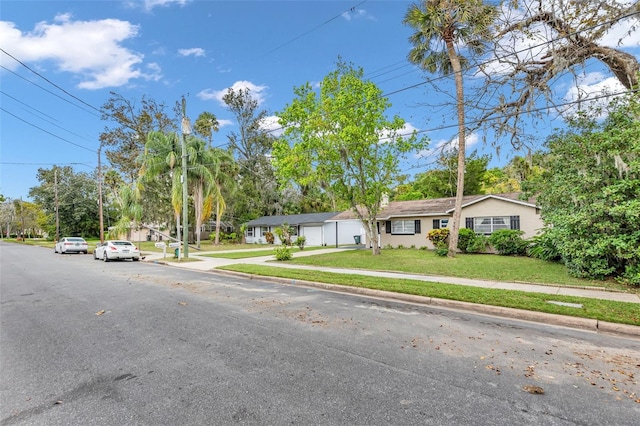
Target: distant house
[
  {"x": 319, "y": 229},
  {"x": 407, "y": 223}
]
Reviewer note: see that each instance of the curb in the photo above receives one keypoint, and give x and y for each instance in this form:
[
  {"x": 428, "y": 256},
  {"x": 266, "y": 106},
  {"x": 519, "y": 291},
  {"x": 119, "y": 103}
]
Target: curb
[{"x": 587, "y": 324}]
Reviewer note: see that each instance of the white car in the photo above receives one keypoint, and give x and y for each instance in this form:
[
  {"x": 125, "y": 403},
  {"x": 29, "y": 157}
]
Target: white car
[
  {"x": 71, "y": 245},
  {"x": 116, "y": 249}
]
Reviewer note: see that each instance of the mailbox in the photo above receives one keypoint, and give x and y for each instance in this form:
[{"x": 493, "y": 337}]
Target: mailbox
[
  {"x": 175, "y": 245},
  {"x": 161, "y": 245}
]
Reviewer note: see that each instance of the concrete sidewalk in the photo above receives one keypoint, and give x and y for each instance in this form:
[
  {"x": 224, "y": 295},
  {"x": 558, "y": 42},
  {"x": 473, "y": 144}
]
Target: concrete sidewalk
[{"x": 205, "y": 263}]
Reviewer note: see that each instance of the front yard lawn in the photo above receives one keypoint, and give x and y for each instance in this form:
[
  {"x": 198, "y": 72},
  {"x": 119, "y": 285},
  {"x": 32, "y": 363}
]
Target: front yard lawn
[{"x": 475, "y": 266}]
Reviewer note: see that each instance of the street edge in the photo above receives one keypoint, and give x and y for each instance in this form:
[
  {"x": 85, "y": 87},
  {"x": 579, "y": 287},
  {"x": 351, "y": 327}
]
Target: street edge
[{"x": 588, "y": 324}]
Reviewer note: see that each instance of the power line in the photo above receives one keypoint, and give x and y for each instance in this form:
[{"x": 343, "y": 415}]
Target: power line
[
  {"x": 49, "y": 81},
  {"x": 47, "y": 132}
]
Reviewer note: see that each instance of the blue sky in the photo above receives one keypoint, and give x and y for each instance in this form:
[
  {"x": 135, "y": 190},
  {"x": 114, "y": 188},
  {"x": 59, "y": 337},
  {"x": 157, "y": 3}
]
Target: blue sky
[{"x": 166, "y": 49}]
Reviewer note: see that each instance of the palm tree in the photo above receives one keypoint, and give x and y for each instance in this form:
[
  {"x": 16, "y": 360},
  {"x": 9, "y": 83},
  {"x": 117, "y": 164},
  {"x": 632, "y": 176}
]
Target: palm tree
[
  {"x": 129, "y": 211},
  {"x": 223, "y": 170},
  {"x": 205, "y": 125},
  {"x": 162, "y": 153},
  {"x": 200, "y": 158},
  {"x": 442, "y": 27}
]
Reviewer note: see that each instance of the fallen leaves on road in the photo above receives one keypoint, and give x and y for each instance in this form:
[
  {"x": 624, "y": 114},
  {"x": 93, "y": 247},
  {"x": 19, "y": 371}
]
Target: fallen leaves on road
[
  {"x": 537, "y": 390},
  {"x": 100, "y": 312}
]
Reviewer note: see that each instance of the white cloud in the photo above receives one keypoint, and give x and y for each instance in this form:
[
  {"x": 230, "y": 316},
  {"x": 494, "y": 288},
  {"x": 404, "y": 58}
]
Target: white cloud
[
  {"x": 272, "y": 125},
  {"x": 194, "y": 51},
  {"x": 224, "y": 123},
  {"x": 256, "y": 92},
  {"x": 150, "y": 4},
  {"x": 357, "y": 14},
  {"x": 91, "y": 50},
  {"x": 593, "y": 90},
  {"x": 447, "y": 146}
]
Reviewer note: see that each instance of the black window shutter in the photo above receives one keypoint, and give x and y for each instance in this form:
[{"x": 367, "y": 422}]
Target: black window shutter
[
  {"x": 468, "y": 222},
  {"x": 417, "y": 226},
  {"x": 515, "y": 222},
  {"x": 387, "y": 226},
  {"x": 436, "y": 223}
]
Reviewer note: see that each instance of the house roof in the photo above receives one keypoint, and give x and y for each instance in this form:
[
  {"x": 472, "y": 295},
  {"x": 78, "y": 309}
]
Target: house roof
[
  {"x": 293, "y": 219},
  {"x": 435, "y": 206}
]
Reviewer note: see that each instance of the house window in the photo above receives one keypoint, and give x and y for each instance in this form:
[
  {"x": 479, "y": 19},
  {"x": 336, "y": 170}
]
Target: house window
[
  {"x": 440, "y": 223},
  {"x": 488, "y": 225},
  {"x": 264, "y": 230},
  {"x": 403, "y": 226},
  {"x": 250, "y": 231}
]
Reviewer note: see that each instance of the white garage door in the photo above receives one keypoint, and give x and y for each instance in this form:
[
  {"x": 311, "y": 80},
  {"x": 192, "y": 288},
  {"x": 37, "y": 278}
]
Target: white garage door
[{"x": 313, "y": 234}]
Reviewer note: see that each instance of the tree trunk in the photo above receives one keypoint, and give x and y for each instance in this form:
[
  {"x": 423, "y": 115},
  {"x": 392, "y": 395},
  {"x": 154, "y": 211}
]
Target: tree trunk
[
  {"x": 217, "y": 241},
  {"x": 457, "y": 214}
]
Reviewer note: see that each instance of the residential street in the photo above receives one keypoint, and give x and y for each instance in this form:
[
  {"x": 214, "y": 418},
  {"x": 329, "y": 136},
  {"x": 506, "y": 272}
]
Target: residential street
[{"x": 85, "y": 342}]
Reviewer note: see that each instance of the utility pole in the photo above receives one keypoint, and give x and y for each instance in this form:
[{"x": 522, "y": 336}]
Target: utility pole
[
  {"x": 100, "y": 213},
  {"x": 55, "y": 189},
  {"x": 186, "y": 130}
]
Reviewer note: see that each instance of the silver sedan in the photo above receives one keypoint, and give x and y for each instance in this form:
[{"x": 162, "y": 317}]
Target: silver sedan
[{"x": 116, "y": 249}]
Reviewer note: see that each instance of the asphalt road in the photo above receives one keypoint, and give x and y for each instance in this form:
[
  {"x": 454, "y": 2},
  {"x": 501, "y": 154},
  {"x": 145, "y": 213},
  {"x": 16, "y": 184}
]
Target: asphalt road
[{"x": 84, "y": 342}]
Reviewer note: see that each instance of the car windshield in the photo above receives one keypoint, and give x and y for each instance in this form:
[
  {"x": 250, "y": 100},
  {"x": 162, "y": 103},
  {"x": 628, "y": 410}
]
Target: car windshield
[{"x": 122, "y": 243}]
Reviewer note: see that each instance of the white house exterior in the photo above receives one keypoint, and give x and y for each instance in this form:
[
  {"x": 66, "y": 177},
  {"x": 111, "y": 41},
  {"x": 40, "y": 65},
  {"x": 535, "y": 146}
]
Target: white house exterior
[
  {"x": 318, "y": 229},
  {"x": 407, "y": 223}
]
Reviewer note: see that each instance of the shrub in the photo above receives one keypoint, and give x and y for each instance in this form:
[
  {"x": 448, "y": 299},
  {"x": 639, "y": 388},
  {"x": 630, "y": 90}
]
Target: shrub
[
  {"x": 282, "y": 253},
  {"x": 508, "y": 242},
  {"x": 544, "y": 247},
  {"x": 442, "y": 249},
  {"x": 437, "y": 236},
  {"x": 269, "y": 237},
  {"x": 478, "y": 244},
  {"x": 300, "y": 242},
  {"x": 465, "y": 237}
]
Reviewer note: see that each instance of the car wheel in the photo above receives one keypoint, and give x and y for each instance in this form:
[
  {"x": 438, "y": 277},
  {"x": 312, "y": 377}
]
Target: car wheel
[
  {"x": 135, "y": 259},
  {"x": 105, "y": 257}
]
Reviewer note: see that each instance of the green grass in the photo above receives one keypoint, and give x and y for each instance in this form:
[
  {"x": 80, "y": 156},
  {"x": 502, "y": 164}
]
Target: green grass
[
  {"x": 603, "y": 310},
  {"x": 475, "y": 266}
]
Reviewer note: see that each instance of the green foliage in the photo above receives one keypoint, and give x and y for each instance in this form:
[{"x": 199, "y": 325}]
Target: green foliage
[
  {"x": 470, "y": 242},
  {"x": 282, "y": 253},
  {"x": 341, "y": 140},
  {"x": 77, "y": 201},
  {"x": 508, "y": 242},
  {"x": 438, "y": 236},
  {"x": 478, "y": 244},
  {"x": 268, "y": 236},
  {"x": 590, "y": 192},
  {"x": 544, "y": 247},
  {"x": 465, "y": 237},
  {"x": 284, "y": 233},
  {"x": 442, "y": 249},
  {"x": 301, "y": 241}
]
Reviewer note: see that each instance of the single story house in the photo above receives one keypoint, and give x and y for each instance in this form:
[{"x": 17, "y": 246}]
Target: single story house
[
  {"x": 407, "y": 223},
  {"x": 319, "y": 229}
]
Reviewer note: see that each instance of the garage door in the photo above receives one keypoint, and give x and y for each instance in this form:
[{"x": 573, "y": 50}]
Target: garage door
[{"x": 313, "y": 234}]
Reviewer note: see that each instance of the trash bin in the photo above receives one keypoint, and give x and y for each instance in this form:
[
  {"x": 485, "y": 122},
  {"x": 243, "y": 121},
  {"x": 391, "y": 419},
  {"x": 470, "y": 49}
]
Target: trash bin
[
  {"x": 176, "y": 252},
  {"x": 357, "y": 238}
]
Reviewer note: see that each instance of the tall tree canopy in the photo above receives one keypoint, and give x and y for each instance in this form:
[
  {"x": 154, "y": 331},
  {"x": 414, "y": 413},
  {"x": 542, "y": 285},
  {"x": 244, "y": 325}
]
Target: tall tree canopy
[
  {"x": 133, "y": 122},
  {"x": 341, "y": 138},
  {"x": 443, "y": 27},
  {"x": 589, "y": 194},
  {"x": 77, "y": 195},
  {"x": 258, "y": 193}
]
